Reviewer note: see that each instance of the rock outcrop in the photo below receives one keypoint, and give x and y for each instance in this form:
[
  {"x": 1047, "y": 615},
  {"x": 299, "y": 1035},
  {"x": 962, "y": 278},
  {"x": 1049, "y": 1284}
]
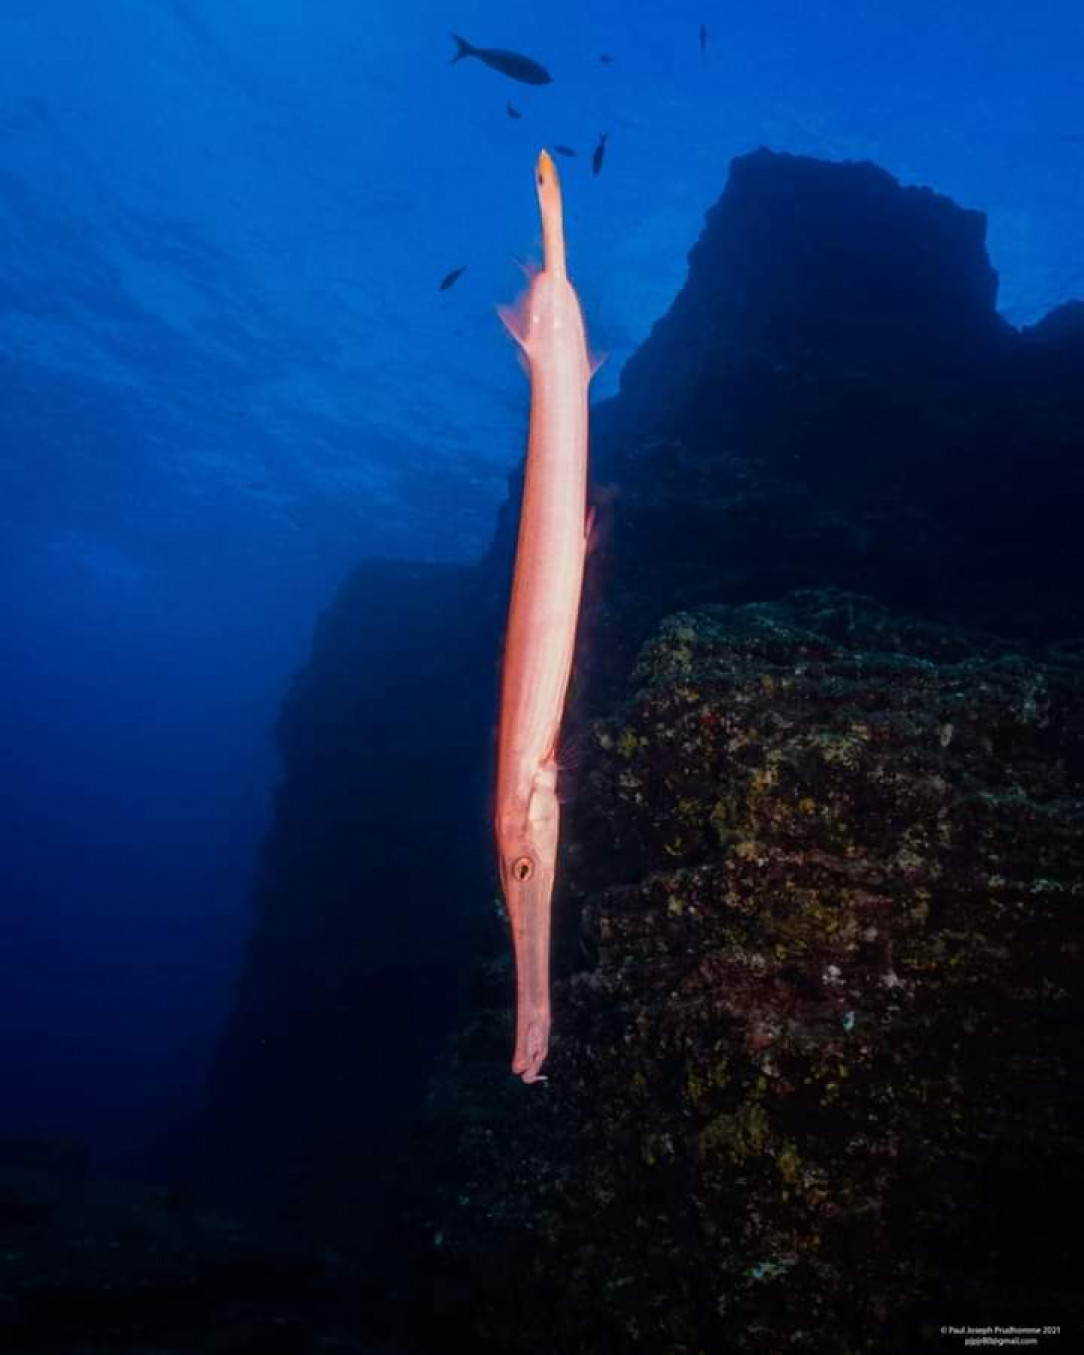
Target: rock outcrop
[
  {"x": 372, "y": 877},
  {"x": 813, "y": 1072},
  {"x": 816, "y": 914},
  {"x": 833, "y": 400}
]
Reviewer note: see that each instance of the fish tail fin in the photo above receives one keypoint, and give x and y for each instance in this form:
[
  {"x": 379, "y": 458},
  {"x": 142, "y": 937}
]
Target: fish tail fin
[{"x": 463, "y": 48}]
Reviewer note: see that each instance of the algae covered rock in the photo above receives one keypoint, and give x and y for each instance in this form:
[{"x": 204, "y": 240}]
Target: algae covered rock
[{"x": 811, "y": 1082}]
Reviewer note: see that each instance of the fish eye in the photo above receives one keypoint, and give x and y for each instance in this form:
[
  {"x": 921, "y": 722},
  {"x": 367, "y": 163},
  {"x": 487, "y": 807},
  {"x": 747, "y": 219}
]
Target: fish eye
[{"x": 523, "y": 869}]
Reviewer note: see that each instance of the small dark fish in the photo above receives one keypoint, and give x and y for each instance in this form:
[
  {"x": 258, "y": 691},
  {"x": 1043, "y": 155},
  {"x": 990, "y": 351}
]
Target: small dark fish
[
  {"x": 513, "y": 64},
  {"x": 606, "y": 59},
  {"x": 564, "y": 150},
  {"x": 450, "y": 278},
  {"x": 600, "y": 152},
  {"x": 703, "y": 39},
  {"x": 512, "y": 112}
]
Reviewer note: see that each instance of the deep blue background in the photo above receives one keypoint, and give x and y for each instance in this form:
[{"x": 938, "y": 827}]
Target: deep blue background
[{"x": 226, "y": 375}]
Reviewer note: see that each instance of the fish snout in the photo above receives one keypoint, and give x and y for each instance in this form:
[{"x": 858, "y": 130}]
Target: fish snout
[
  {"x": 532, "y": 1046},
  {"x": 528, "y": 895}
]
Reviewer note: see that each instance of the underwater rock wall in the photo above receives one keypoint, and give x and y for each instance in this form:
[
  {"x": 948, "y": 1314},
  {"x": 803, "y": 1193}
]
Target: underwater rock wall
[
  {"x": 832, "y": 399},
  {"x": 812, "y": 1080},
  {"x": 832, "y": 402},
  {"x": 366, "y": 897}
]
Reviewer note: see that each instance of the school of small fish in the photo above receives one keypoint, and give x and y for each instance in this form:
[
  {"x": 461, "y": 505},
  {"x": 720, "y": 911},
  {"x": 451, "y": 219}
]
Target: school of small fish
[{"x": 517, "y": 66}]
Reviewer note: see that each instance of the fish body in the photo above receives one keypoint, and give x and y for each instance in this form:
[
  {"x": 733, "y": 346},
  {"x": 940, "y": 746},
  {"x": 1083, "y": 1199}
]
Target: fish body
[
  {"x": 599, "y": 155},
  {"x": 542, "y": 616},
  {"x": 564, "y": 150},
  {"x": 606, "y": 59},
  {"x": 703, "y": 39},
  {"x": 513, "y": 64},
  {"x": 449, "y": 279},
  {"x": 512, "y": 112}
]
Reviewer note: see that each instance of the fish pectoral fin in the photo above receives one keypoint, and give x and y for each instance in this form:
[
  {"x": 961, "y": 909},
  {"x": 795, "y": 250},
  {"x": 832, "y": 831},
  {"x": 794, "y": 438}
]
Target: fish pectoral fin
[
  {"x": 595, "y": 361},
  {"x": 589, "y": 526},
  {"x": 513, "y": 318},
  {"x": 528, "y": 267},
  {"x": 544, "y": 781}
]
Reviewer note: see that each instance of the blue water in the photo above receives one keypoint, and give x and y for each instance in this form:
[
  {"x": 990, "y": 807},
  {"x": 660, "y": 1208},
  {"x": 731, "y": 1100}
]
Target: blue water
[{"x": 227, "y": 375}]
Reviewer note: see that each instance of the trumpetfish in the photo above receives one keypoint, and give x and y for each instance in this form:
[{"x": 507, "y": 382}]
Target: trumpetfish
[{"x": 547, "y": 582}]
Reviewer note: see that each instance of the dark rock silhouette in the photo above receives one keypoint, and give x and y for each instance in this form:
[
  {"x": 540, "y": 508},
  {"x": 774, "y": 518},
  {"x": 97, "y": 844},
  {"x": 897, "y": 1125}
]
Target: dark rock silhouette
[
  {"x": 832, "y": 399},
  {"x": 372, "y": 877}
]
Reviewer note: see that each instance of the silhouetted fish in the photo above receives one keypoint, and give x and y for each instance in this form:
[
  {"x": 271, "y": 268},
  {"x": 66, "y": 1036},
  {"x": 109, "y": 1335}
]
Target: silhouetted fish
[
  {"x": 600, "y": 152},
  {"x": 452, "y": 277},
  {"x": 606, "y": 59},
  {"x": 513, "y": 64},
  {"x": 564, "y": 150},
  {"x": 703, "y": 39},
  {"x": 512, "y": 112}
]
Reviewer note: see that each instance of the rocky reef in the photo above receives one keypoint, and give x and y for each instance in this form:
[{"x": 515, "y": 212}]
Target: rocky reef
[
  {"x": 367, "y": 895},
  {"x": 811, "y": 1084},
  {"x": 813, "y": 1065},
  {"x": 833, "y": 400}
]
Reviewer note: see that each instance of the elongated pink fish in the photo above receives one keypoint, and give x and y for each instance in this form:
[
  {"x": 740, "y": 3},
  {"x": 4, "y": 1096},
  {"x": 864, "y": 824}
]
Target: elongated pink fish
[{"x": 542, "y": 616}]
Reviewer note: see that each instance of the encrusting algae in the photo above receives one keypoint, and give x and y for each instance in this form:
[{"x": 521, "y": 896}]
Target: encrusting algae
[{"x": 815, "y": 936}]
